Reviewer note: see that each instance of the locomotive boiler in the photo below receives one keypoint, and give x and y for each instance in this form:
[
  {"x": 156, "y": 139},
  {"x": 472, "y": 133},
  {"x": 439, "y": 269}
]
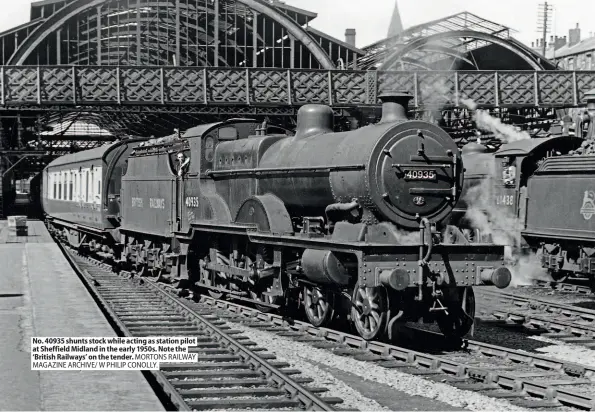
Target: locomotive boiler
[
  {"x": 413, "y": 170},
  {"x": 350, "y": 225}
]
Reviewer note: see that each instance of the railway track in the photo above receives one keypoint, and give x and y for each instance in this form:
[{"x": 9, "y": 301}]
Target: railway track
[
  {"x": 567, "y": 323},
  {"x": 562, "y": 287},
  {"x": 525, "y": 379},
  {"x": 231, "y": 371}
]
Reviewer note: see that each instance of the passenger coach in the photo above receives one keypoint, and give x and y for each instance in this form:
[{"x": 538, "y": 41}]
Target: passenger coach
[{"x": 81, "y": 192}]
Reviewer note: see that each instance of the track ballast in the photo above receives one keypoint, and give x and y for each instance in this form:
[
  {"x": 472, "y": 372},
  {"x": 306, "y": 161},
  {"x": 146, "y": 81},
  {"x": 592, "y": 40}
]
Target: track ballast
[{"x": 231, "y": 372}]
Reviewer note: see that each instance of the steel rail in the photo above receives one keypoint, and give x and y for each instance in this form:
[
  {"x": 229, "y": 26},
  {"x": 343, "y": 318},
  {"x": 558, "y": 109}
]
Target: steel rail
[
  {"x": 107, "y": 310},
  {"x": 278, "y": 380},
  {"x": 455, "y": 372},
  {"x": 560, "y": 318},
  {"x": 562, "y": 287},
  {"x": 484, "y": 379}
]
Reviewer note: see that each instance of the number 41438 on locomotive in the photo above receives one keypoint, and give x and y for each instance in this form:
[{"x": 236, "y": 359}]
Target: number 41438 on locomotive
[{"x": 349, "y": 225}]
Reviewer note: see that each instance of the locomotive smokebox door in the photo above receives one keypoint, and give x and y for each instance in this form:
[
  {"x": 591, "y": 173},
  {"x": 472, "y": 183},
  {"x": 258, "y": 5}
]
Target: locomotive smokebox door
[
  {"x": 417, "y": 183},
  {"x": 415, "y": 168}
]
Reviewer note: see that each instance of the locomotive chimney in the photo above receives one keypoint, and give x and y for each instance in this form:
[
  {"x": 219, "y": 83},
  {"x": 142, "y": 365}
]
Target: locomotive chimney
[
  {"x": 394, "y": 106},
  {"x": 314, "y": 119}
]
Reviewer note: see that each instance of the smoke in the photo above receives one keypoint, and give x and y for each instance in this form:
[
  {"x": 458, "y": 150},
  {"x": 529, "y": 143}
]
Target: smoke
[
  {"x": 500, "y": 222},
  {"x": 526, "y": 270},
  {"x": 408, "y": 238},
  {"x": 484, "y": 121},
  {"x": 435, "y": 97},
  {"x": 438, "y": 95}
]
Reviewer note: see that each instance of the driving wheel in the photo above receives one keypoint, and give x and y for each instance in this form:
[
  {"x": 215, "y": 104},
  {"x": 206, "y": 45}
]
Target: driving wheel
[
  {"x": 318, "y": 305},
  {"x": 368, "y": 311}
]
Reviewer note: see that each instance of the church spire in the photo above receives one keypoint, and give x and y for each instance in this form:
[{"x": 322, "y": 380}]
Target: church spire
[{"x": 396, "y": 26}]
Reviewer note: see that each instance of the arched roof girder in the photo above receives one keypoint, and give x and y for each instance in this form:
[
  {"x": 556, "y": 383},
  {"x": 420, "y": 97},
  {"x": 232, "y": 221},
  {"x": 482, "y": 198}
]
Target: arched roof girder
[
  {"x": 421, "y": 42},
  {"x": 448, "y": 52},
  {"x": 415, "y": 63},
  {"x": 58, "y": 19}
]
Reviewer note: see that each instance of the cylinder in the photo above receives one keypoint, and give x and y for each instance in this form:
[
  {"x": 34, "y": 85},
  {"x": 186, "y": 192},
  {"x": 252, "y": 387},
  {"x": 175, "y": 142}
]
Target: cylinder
[{"x": 322, "y": 266}]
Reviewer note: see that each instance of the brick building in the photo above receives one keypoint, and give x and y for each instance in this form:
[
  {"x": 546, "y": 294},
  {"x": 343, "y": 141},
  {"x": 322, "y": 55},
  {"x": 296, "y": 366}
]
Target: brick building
[{"x": 570, "y": 53}]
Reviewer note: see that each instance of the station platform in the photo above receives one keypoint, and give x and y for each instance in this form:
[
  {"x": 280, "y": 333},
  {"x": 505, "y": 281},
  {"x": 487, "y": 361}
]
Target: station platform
[{"x": 41, "y": 296}]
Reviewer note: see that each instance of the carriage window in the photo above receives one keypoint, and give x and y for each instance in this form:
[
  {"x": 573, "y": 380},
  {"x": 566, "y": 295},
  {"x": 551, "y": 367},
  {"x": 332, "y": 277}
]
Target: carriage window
[
  {"x": 87, "y": 187},
  {"x": 98, "y": 182},
  {"x": 70, "y": 185},
  {"x": 228, "y": 133},
  {"x": 60, "y": 186},
  {"x": 55, "y": 193}
]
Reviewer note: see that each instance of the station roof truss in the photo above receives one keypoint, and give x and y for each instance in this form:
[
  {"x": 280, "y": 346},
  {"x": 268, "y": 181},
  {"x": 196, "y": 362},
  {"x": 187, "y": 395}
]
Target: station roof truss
[
  {"x": 184, "y": 33},
  {"x": 206, "y": 33},
  {"x": 451, "y": 43}
]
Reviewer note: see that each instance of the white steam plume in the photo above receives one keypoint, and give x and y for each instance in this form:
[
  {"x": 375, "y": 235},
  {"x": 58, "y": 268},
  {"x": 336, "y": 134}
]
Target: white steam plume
[
  {"x": 408, "y": 238},
  {"x": 526, "y": 270},
  {"x": 499, "y": 222},
  {"x": 484, "y": 121},
  {"x": 490, "y": 220},
  {"x": 503, "y": 226}
]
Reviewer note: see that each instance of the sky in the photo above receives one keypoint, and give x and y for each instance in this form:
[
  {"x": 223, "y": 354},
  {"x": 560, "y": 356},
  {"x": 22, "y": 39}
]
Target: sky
[{"x": 371, "y": 18}]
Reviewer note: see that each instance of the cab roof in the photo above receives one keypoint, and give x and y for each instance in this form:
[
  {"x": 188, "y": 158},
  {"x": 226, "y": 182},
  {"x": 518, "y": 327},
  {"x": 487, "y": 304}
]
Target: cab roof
[
  {"x": 525, "y": 147},
  {"x": 199, "y": 131}
]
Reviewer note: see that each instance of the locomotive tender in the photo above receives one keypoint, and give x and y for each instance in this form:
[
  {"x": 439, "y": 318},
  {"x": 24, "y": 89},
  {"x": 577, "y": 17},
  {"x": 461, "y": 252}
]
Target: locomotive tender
[
  {"x": 561, "y": 229},
  {"x": 349, "y": 224}
]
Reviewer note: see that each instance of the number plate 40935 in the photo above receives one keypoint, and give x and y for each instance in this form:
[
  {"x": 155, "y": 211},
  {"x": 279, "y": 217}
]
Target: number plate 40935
[{"x": 420, "y": 174}]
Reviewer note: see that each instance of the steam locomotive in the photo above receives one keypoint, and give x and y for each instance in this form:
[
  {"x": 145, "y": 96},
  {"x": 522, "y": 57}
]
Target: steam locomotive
[
  {"x": 349, "y": 225},
  {"x": 546, "y": 185}
]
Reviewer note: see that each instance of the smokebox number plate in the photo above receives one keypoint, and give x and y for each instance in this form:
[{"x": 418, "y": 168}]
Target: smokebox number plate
[{"x": 420, "y": 175}]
